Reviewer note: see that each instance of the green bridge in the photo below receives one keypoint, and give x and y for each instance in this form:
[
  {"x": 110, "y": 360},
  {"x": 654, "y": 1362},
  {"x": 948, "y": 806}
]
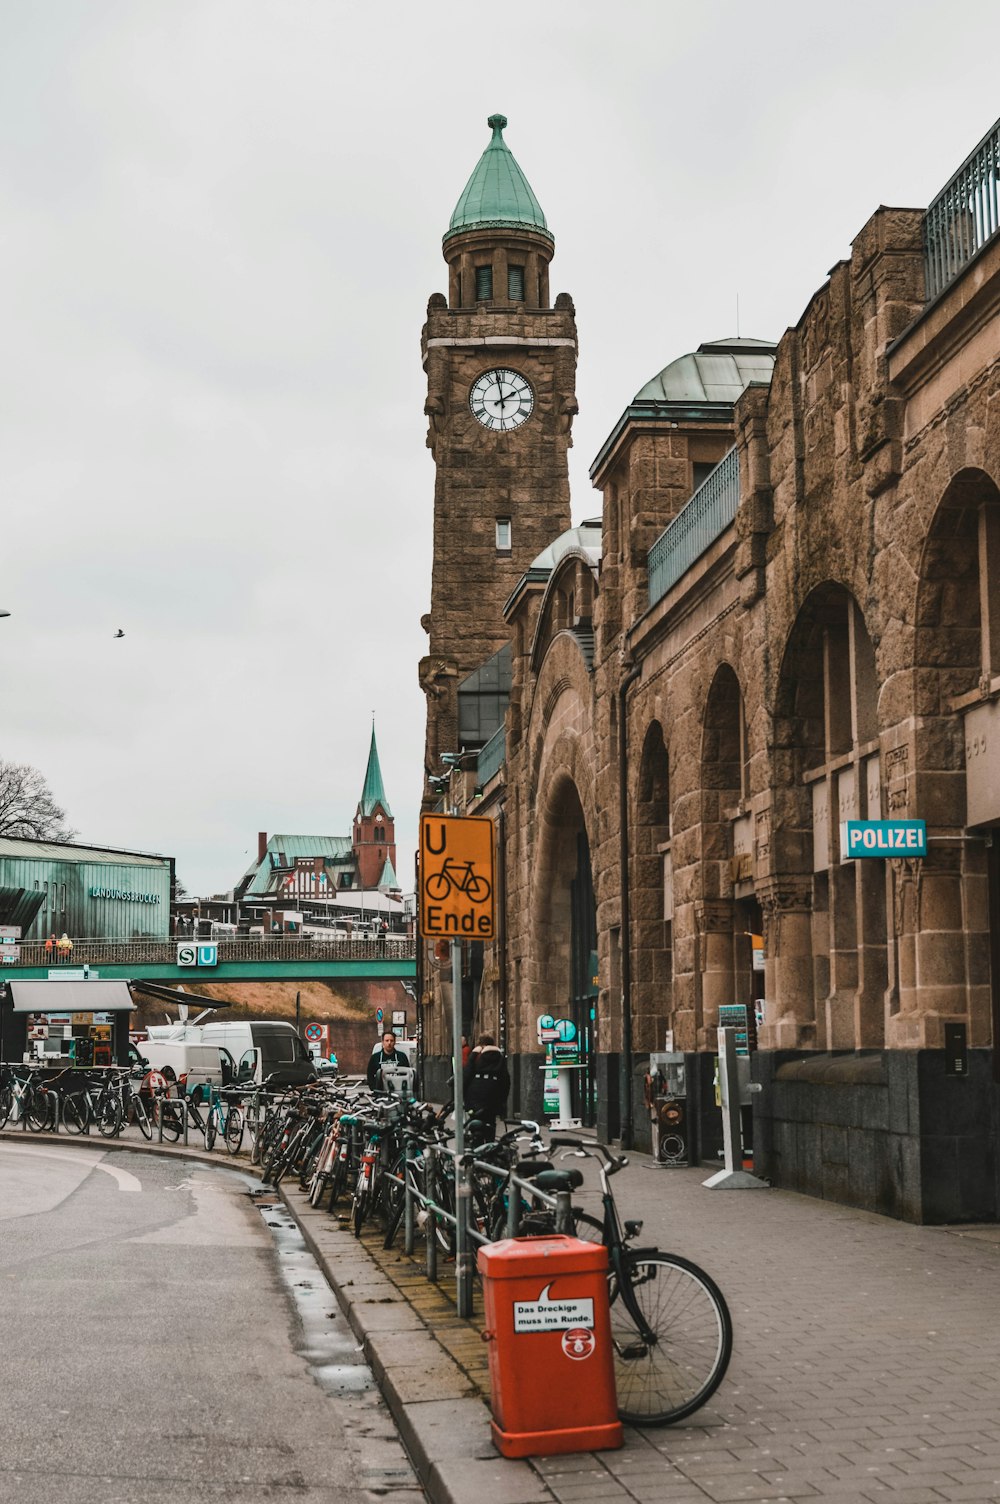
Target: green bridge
[{"x": 283, "y": 958}]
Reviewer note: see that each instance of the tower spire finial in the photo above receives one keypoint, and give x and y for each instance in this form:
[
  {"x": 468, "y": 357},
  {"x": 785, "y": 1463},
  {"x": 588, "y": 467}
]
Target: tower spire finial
[{"x": 496, "y": 124}]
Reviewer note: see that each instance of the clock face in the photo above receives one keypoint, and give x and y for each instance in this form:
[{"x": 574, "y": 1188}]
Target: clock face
[{"x": 501, "y": 399}]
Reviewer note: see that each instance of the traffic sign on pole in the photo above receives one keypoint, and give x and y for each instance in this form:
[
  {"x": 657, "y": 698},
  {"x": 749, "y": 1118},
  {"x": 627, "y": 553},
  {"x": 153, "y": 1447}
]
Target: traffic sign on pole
[{"x": 457, "y": 877}]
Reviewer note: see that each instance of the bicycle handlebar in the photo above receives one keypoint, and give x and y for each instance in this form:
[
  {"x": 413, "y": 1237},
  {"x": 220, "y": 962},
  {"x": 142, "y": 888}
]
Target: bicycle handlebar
[{"x": 612, "y": 1162}]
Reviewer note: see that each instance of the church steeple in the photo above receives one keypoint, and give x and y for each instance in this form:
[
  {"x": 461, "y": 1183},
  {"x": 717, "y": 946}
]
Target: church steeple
[
  {"x": 373, "y": 792},
  {"x": 374, "y": 830}
]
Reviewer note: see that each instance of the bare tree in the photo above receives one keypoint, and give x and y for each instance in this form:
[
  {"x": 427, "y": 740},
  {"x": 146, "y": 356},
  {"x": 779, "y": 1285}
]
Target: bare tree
[{"x": 27, "y": 808}]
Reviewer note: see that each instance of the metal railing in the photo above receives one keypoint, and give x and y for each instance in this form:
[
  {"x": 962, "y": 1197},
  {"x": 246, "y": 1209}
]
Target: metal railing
[
  {"x": 265, "y": 948},
  {"x": 558, "y": 1202},
  {"x": 964, "y": 216},
  {"x": 697, "y": 525},
  {"x": 491, "y": 759}
]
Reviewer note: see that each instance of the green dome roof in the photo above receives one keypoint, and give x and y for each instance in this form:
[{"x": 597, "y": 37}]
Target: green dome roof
[{"x": 498, "y": 196}]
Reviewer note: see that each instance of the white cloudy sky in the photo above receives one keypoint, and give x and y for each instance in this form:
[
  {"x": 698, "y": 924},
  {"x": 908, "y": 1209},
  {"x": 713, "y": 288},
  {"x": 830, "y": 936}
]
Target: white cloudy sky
[{"x": 220, "y": 221}]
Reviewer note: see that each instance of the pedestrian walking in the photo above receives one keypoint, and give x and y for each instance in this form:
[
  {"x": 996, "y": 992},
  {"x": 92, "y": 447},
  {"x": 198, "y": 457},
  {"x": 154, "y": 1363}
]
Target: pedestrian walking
[
  {"x": 486, "y": 1083},
  {"x": 64, "y": 946},
  {"x": 50, "y": 946},
  {"x": 387, "y": 1055}
]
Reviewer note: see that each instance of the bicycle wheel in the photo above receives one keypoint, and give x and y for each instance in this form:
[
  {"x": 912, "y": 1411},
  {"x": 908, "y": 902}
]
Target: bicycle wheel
[
  {"x": 6, "y": 1104},
  {"x": 141, "y": 1116},
  {"x": 211, "y": 1127},
  {"x": 75, "y": 1113},
  {"x": 109, "y": 1115},
  {"x": 339, "y": 1172},
  {"x": 40, "y": 1111},
  {"x": 438, "y": 886},
  {"x": 478, "y": 889},
  {"x": 234, "y": 1130},
  {"x": 359, "y": 1211},
  {"x": 172, "y": 1114},
  {"x": 394, "y": 1198},
  {"x": 664, "y": 1380}
]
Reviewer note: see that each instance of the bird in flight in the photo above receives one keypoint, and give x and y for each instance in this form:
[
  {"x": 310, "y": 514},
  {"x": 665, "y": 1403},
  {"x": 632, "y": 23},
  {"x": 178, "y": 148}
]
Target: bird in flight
[{"x": 119, "y": 633}]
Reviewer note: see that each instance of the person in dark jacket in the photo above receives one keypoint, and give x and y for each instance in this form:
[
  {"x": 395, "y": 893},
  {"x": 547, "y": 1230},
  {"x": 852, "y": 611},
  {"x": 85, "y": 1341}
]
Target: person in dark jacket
[
  {"x": 486, "y": 1083},
  {"x": 387, "y": 1055}
]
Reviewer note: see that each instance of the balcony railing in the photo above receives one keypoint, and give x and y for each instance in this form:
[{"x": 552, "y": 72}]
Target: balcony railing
[
  {"x": 964, "y": 216},
  {"x": 267, "y": 948},
  {"x": 697, "y": 525},
  {"x": 491, "y": 758}
]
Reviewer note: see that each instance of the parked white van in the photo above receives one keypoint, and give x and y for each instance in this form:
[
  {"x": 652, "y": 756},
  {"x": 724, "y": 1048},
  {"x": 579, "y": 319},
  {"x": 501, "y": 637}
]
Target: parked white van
[
  {"x": 263, "y": 1048},
  {"x": 191, "y": 1062}
]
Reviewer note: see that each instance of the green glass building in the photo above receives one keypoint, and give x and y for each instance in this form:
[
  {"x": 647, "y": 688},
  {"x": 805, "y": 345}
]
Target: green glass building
[{"x": 86, "y": 892}]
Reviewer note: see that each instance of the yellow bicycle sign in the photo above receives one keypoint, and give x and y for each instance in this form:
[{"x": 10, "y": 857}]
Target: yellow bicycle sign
[{"x": 457, "y": 878}]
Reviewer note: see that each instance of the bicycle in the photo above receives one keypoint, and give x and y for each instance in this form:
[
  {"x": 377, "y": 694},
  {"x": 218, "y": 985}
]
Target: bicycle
[
  {"x": 458, "y": 875},
  {"x": 80, "y": 1107},
  {"x": 226, "y": 1117},
  {"x": 670, "y": 1326},
  {"x": 22, "y": 1097}
]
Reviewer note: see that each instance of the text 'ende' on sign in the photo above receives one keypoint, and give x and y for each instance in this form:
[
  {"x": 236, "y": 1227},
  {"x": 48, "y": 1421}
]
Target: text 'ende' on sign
[{"x": 457, "y": 877}]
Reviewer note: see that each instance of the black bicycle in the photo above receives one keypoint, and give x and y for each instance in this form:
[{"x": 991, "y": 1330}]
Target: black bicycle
[{"x": 670, "y": 1325}]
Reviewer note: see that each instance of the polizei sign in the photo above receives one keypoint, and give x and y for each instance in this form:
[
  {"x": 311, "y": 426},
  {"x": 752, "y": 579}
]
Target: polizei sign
[{"x": 882, "y": 838}]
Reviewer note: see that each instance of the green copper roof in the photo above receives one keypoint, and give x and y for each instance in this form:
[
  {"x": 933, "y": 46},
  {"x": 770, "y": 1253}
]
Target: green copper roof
[
  {"x": 373, "y": 792},
  {"x": 498, "y": 195},
  {"x": 388, "y": 880}
]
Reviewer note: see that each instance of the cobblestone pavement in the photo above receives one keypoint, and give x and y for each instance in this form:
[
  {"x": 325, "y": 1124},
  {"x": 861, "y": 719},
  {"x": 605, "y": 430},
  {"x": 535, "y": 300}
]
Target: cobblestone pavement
[{"x": 866, "y": 1362}]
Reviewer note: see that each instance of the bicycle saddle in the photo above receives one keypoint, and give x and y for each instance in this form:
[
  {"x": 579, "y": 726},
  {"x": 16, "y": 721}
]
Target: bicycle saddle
[{"x": 557, "y": 1180}]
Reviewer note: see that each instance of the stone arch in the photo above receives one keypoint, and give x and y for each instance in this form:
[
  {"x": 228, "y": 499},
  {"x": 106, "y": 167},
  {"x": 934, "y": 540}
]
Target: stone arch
[
  {"x": 563, "y": 911},
  {"x": 652, "y": 895},
  {"x": 957, "y": 638},
  {"x": 941, "y": 772},
  {"x": 827, "y": 929},
  {"x": 723, "y": 918}
]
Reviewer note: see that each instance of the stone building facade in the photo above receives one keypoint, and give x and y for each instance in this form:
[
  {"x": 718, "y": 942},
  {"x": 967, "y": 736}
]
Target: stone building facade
[{"x": 732, "y": 664}]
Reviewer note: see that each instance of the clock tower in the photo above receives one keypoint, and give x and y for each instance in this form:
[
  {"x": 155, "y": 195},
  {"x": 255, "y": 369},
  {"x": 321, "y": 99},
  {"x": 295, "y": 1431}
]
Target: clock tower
[{"x": 501, "y": 367}]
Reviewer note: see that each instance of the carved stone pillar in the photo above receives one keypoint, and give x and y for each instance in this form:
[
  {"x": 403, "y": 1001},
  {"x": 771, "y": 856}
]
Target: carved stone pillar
[
  {"x": 790, "y": 1018},
  {"x": 714, "y": 921},
  {"x": 938, "y": 972}
]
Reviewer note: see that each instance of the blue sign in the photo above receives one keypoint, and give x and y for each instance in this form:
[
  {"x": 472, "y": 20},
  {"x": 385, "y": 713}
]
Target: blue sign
[
  {"x": 882, "y": 838},
  {"x": 208, "y": 955},
  {"x": 565, "y": 1030},
  {"x": 379, "y": 1015}
]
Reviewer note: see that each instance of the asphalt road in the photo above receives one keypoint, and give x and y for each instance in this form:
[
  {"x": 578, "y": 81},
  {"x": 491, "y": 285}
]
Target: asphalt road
[{"x": 151, "y": 1346}]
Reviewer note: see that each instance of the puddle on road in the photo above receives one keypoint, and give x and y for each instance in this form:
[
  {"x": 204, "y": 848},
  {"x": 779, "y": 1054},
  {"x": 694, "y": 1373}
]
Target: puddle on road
[{"x": 329, "y": 1347}]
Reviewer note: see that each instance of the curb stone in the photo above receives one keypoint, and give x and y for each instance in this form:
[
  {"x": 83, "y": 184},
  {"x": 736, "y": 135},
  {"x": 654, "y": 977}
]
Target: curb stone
[{"x": 443, "y": 1420}]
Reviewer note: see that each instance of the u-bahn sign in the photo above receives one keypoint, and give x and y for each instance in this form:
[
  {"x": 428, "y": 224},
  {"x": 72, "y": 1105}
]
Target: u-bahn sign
[
  {"x": 457, "y": 877},
  {"x": 882, "y": 838}
]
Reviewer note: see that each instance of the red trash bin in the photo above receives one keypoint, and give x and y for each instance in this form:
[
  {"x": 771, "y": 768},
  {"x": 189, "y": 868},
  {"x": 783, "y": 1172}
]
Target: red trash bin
[{"x": 551, "y": 1365}]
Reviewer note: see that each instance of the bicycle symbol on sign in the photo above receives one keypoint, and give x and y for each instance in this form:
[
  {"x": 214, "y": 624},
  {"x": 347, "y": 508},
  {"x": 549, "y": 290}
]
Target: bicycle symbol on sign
[{"x": 459, "y": 876}]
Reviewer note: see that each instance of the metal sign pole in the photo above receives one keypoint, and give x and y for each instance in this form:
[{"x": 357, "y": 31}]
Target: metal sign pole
[{"x": 463, "y": 1267}]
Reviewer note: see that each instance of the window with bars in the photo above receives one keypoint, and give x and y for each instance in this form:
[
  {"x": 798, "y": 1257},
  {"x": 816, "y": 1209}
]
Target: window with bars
[
  {"x": 515, "y": 284},
  {"x": 484, "y": 283}
]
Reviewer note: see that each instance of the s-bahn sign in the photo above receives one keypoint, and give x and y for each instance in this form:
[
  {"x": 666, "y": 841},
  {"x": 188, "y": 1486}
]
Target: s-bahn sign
[
  {"x": 882, "y": 838},
  {"x": 457, "y": 877}
]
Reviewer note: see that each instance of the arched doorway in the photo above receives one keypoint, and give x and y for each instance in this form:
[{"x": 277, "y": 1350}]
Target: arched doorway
[
  {"x": 652, "y": 900},
  {"x": 565, "y": 934},
  {"x": 955, "y": 768},
  {"x": 828, "y": 938}
]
